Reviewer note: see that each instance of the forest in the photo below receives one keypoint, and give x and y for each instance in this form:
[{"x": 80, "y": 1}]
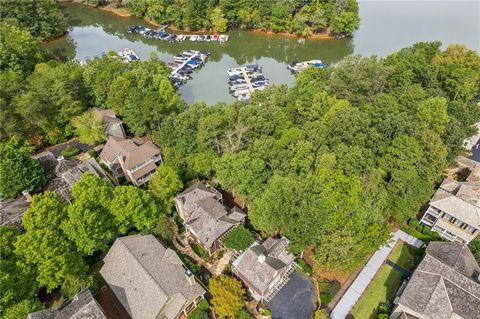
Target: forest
[
  {"x": 331, "y": 162},
  {"x": 300, "y": 17}
]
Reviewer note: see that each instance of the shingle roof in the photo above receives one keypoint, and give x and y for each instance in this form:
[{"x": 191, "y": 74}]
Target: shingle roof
[
  {"x": 107, "y": 115},
  {"x": 82, "y": 306},
  {"x": 49, "y": 163},
  {"x": 69, "y": 172},
  {"x": 444, "y": 283},
  {"x": 147, "y": 278},
  {"x": 12, "y": 210},
  {"x": 459, "y": 199},
  {"x": 258, "y": 271},
  {"x": 130, "y": 151},
  {"x": 206, "y": 217}
]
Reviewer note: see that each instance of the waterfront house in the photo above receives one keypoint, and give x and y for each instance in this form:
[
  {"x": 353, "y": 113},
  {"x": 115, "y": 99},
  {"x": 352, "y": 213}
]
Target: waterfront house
[
  {"x": 134, "y": 158},
  {"x": 149, "y": 280},
  {"x": 83, "y": 305},
  {"x": 265, "y": 268},
  {"x": 445, "y": 285},
  {"x": 454, "y": 210},
  {"x": 113, "y": 125},
  {"x": 205, "y": 217}
]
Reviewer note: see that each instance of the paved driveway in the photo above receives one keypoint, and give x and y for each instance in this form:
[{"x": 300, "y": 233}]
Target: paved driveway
[{"x": 294, "y": 300}]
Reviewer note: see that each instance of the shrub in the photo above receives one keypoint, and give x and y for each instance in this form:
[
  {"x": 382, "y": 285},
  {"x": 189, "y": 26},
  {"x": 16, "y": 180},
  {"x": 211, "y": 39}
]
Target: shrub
[
  {"x": 244, "y": 314},
  {"x": 413, "y": 222},
  {"x": 70, "y": 151},
  {"x": 92, "y": 153},
  {"x": 199, "y": 250},
  {"x": 239, "y": 239},
  {"x": 73, "y": 284},
  {"x": 321, "y": 314},
  {"x": 203, "y": 305},
  {"x": 325, "y": 297},
  {"x": 267, "y": 312},
  {"x": 304, "y": 266}
]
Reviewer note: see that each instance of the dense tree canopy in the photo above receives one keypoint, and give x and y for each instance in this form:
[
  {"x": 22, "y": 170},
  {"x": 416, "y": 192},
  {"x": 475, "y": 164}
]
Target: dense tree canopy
[
  {"x": 44, "y": 246},
  {"x": 42, "y": 18},
  {"x": 90, "y": 221},
  {"x": 18, "y": 171},
  {"x": 330, "y": 161},
  {"x": 89, "y": 128},
  {"x": 294, "y": 16},
  {"x": 165, "y": 184}
]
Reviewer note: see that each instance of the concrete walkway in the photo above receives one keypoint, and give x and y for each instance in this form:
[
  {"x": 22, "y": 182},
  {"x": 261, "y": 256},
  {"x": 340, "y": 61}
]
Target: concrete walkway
[{"x": 351, "y": 296}]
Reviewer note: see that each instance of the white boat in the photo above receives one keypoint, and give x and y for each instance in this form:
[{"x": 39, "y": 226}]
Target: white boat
[
  {"x": 241, "y": 92},
  {"x": 237, "y": 87},
  {"x": 234, "y": 71},
  {"x": 128, "y": 55},
  {"x": 296, "y": 67},
  {"x": 194, "y": 38}
]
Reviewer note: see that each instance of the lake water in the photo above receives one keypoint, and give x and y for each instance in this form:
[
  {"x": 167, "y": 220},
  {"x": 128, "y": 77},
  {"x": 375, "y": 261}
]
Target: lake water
[{"x": 386, "y": 27}]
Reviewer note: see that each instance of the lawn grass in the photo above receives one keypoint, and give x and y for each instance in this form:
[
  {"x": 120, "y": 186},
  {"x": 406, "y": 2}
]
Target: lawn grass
[{"x": 386, "y": 282}]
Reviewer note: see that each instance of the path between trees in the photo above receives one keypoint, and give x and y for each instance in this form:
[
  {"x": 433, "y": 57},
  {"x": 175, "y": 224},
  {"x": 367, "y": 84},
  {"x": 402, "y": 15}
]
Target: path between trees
[{"x": 360, "y": 284}]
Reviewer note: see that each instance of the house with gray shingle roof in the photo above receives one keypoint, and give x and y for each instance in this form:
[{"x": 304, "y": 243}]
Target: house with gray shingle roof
[
  {"x": 82, "y": 306},
  {"x": 265, "y": 268},
  {"x": 205, "y": 217},
  {"x": 454, "y": 210},
  {"x": 113, "y": 125},
  {"x": 134, "y": 158},
  {"x": 446, "y": 285},
  {"x": 149, "y": 280}
]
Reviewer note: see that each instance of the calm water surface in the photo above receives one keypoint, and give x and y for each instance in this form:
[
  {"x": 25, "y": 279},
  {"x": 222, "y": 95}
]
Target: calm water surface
[{"x": 386, "y": 27}]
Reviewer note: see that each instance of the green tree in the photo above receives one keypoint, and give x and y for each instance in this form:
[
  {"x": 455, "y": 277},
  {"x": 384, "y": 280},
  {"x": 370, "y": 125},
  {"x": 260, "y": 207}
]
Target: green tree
[
  {"x": 44, "y": 246},
  {"x": 42, "y": 18},
  {"x": 164, "y": 229},
  {"x": 72, "y": 285},
  {"x": 19, "y": 50},
  {"x": 239, "y": 238},
  {"x": 17, "y": 282},
  {"x": 90, "y": 222},
  {"x": 22, "y": 309},
  {"x": 53, "y": 95},
  {"x": 132, "y": 206},
  {"x": 89, "y": 128},
  {"x": 18, "y": 171},
  {"x": 228, "y": 295},
  {"x": 218, "y": 20},
  {"x": 165, "y": 184},
  {"x": 345, "y": 23}
]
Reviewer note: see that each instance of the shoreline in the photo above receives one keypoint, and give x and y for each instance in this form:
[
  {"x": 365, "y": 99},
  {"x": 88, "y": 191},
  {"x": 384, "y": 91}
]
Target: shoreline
[{"x": 124, "y": 14}]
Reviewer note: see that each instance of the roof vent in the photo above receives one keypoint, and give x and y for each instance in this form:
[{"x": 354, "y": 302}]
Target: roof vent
[{"x": 261, "y": 258}]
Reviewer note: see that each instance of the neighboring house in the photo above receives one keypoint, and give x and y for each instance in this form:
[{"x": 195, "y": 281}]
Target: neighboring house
[
  {"x": 68, "y": 172},
  {"x": 205, "y": 218},
  {"x": 133, "y": 158},
  {"x": 444, "y": 286},
  {"x": 82, "y": 306},
  {"x": 149, "y": 280},
  {"x": 265, "y": 268},
  {"x": 49, "y": 162},
  {"x": 473, "y": 141},
  {"x": 12, "y": 210},
  {"x": 454, "y": 210},
  {"x": 113, "y": 125}
]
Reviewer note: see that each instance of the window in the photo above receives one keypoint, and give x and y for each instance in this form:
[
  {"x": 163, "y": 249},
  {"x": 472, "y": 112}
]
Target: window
[
  {"x": 458, "y": 223},
  {"x": 446, "y": 216},
  {"x": 470, "y": 229}
]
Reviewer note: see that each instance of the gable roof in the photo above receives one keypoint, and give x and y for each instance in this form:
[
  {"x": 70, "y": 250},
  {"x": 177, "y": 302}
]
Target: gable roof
[
  {"x": 260, "y": 263},
  {"x": 147, "y": 278},
  {"x": 444, "y": 283},
  {"x": 107, "y": 115},
  {"x": 459, "y": 199},
  {"x": 69, "y": 172},
  {"x": 130, "y": 151},
  {"x": 82, "y": 306},
  {"x": 206, "y": 217}
]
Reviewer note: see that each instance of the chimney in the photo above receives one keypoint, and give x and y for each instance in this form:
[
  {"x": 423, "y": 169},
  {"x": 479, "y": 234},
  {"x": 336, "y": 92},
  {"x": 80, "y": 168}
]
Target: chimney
[
  {"x": 190, "y": 277},
  {"x": 261, "y": 258},
  {"x": 27, "y": 195}
]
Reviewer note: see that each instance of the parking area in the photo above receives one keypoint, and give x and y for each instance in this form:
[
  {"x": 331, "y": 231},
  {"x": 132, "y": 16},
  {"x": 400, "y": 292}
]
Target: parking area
[{"x": 295, "y": 300}]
